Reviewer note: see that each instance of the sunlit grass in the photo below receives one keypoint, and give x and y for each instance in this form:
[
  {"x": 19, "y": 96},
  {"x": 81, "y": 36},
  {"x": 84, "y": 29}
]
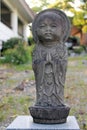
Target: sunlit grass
[
  {"x": 77, "y": 58},
  {"x": 23, "y": 67},
  {"x": 12, "y": 106},
  {"x": 75, "y": 89}
]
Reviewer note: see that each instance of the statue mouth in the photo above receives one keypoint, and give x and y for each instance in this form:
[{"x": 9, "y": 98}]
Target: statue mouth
[{"x": 48, "y": 35}]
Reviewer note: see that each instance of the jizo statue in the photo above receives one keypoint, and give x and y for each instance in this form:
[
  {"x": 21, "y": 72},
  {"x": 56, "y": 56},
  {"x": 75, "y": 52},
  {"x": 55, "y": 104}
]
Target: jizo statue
[{"x": 50, "y": 30}]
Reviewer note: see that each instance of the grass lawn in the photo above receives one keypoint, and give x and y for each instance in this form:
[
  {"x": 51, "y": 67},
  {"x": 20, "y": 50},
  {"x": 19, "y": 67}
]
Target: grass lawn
[
  {"x": 75, "y": 89},
  {"x": 15, "y": 102}
]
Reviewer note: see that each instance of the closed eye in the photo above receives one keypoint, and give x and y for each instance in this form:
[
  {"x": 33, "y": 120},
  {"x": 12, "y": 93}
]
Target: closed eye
[
  {"x": 42, "y": 25},
  {"x": 53, "y": 25}
]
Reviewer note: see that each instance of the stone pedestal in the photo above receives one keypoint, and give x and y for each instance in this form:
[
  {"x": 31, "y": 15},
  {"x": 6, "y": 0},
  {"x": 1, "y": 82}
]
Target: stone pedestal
[
  {"x": 26, "y": 123},
  {"x": 49, "y": 115}
]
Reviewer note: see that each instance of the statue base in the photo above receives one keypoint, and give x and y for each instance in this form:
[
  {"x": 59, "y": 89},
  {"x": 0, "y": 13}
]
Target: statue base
[{"x": 49, "y": 115}]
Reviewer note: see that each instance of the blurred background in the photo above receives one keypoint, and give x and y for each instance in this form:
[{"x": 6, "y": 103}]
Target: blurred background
[{"x": 17, "y": 82}]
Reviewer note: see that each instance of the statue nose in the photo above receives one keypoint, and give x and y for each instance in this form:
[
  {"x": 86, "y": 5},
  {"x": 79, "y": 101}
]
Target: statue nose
[{"x": 48, "y": 28}]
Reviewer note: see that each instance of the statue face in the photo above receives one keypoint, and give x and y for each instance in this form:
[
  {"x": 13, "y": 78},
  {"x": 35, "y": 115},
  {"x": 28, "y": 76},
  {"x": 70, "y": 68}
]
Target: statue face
[
  {"x": 49, "y": 30},
  {"x": 56, "y": 21}
]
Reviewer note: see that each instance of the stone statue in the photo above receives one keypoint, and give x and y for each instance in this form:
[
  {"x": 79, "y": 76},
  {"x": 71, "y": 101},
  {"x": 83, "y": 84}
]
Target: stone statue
[{"x": 50, "y": 30}]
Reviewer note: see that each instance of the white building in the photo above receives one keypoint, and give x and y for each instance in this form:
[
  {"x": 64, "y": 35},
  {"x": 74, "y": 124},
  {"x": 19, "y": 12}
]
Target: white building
[{"x": 15, "y": 15}]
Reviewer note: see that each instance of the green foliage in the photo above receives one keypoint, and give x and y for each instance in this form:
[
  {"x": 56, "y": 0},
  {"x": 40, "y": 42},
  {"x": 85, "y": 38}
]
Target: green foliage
[
  {"x": 84, "y": 6},
  {"x": 61, "y": 4},
  {"x": 11, "y": 43},
  {"x": 78, "y": 49},
  {"x": 43, "y": 4},
  {"x": 16, "y": 51},
  {"x": 18, "y": 55},
  {"x": 31, "y": 41},
  {"x": 30, "y": 50},
  {"x": 78, "y": 18},
  {"x": 84, "y": 29}
]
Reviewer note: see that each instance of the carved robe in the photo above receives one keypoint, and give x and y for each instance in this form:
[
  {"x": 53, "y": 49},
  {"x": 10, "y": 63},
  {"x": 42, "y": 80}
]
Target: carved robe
[{"x": 49, "y": 65}]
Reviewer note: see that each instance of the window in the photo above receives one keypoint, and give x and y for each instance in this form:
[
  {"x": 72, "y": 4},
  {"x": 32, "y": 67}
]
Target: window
[
  {"x": 5, "y": 14},
  {"x": 20, "y": 27}
]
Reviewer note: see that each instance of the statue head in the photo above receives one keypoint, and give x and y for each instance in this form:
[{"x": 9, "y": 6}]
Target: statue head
[{"x": 50, "y": 26}]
